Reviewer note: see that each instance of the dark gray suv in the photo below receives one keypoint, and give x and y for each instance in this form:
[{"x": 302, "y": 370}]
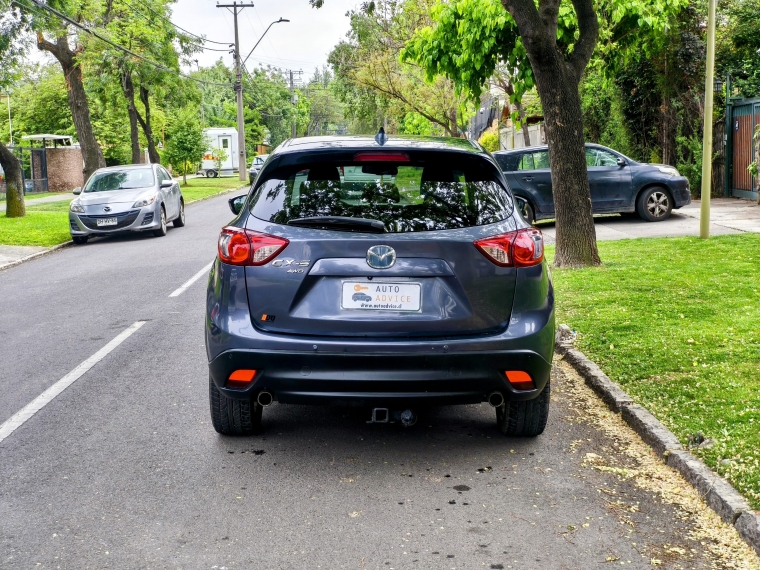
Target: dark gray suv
[
  {"x": 617, "y": 183},
  {"x": 391, "y": 273}
]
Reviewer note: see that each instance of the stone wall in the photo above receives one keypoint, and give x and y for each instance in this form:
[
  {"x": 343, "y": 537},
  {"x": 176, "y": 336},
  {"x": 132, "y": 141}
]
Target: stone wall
[{"x": 64, "y": 169}]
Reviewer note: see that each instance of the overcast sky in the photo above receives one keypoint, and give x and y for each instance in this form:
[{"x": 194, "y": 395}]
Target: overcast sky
[{"x": 303, "y": 43}]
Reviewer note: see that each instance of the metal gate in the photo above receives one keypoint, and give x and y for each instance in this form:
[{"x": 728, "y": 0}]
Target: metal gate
[
  {"x": 745, "y": 117},
  {"x": 33, "y": 168}
]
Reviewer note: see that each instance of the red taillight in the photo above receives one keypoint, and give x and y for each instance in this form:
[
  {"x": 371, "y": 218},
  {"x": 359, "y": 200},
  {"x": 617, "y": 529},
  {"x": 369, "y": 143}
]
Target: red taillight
[
  {"x": 520, "y": 380},
  {"x": 245, "y": 247},
  {"x": 381, "y": 156},
  {"x": 521, "y": 248}
]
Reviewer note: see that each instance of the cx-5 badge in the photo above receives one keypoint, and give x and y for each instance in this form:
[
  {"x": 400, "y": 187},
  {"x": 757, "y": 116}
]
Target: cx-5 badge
[{"x": 381, "y": 256}]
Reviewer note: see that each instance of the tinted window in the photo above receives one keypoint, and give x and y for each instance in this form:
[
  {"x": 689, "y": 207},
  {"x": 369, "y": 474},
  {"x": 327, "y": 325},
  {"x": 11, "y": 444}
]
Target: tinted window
[
  {"x": 598, "y": 157},
  {"x": 120, "y": 180},
  {"x": 508, "y": 162},
  {"x": 407, "y": 197},
  {"x": 541, "y": 160},
  {"x": 526, "y": 162}
]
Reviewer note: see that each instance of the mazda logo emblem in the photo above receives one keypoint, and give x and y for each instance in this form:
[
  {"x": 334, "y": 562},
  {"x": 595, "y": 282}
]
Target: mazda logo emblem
[
  {"x": 381, "y": 256},
  {"x": 106, "y": 208}
]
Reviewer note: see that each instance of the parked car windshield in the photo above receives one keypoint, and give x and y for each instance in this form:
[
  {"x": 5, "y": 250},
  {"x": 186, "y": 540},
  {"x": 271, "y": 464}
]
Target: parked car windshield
[
  {"x": 414, "y": 196},
  {"x": 120, "y": 180}
]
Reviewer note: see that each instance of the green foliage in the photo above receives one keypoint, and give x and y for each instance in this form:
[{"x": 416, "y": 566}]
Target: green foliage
[
  {"x": 185, "y": 143},
  {"x": 689, "y": 160},
  {"x": 603, "y": 118},
  {"x": 469, "y": 38},
  {"x": 39, "y": 105},
  {"x": 220, "y": 156},
  {"x": 689, "y": 353},
  {"x": 737, "y": 44},
  {"x": 490, "y": 141}
]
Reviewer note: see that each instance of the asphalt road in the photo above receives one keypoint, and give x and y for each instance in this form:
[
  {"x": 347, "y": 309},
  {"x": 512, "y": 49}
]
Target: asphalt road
[{"x": 123, "y": 468}]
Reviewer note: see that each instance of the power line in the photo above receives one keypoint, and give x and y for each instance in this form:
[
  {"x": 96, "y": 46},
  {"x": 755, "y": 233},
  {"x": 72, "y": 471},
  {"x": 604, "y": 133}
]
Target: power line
[
  {"x": 179, "y": 28},
  {"x": 194, "y": 43},
  {"x": 114, "y": 44}
]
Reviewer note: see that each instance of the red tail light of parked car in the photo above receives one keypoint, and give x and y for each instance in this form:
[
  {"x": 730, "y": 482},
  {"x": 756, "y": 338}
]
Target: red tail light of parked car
[{"x": 520, "y": 248}]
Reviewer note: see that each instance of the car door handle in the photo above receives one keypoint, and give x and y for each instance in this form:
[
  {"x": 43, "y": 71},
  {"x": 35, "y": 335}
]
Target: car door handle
[{"x": 528, "y": 178}]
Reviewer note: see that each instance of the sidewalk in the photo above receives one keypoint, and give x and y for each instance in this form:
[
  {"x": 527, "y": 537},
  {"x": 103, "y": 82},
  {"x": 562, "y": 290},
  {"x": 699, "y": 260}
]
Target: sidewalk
[
  {"x": 727, "y": 216},
  {"x": 34, "y": 201}
]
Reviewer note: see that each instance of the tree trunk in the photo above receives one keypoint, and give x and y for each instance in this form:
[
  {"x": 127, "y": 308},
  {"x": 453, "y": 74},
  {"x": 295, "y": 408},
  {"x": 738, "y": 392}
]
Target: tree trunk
[
  {"x": 557, "y": 77},
  {"x": 184, "y": 174},
  {"x": 155, "y": 158},
  {"x": 524, "y": 123},
  {"x": 129, "y": 92},
  {"x": 80, "y": 108},
  {"x": 14, "y": 184}
]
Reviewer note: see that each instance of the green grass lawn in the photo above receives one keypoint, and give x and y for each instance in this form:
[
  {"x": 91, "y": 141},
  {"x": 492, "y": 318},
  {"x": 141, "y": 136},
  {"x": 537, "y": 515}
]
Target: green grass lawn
[
  {"x": 676, "y": 322},
  {"x": 36, "y": 228},
  {"x": 198, "y": 188}
]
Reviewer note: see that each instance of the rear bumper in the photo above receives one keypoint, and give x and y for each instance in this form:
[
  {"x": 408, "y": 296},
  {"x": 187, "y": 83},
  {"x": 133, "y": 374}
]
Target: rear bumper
[{"x": 380, "y": 379}]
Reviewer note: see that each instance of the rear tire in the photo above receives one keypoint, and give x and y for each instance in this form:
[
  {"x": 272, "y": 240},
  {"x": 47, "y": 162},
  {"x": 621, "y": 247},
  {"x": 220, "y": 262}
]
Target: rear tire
[
  {"x": 211, "y": 174},
  {"x": 79, "y": 240},
  {"x": 527, "y": 418},
  {"x": 654, "y": 204},
  {"x": 179, "y": 221},
  {"x": 161, "y": 231},
  {"x": 231, "y": 416}
]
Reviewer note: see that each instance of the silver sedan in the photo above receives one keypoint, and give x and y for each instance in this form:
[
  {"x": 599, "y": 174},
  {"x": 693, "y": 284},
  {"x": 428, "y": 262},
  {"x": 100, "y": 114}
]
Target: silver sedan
[{"x": 125, "y": 199}]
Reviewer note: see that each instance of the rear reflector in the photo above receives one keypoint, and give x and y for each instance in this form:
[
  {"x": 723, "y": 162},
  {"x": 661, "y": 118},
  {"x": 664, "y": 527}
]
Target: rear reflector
[
  {"x": 520, "y": 380},
  {"x": 241, "y": 378},
  {"x": 521, "y": 248},
  {"x": 387, "y": 156}
]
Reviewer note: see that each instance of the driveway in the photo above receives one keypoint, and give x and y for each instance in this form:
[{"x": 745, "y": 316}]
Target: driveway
[
  {"x": 728, "y": 216},
  {"x": 123, "y": 468}
]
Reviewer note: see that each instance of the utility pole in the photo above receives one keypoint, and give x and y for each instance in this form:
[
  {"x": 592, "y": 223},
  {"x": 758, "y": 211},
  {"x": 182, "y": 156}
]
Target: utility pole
[
  {"x": 704, "y": 211},
  {"x": 294, "y": 100},
  {"x": 203, "y": 116},
  {"x": 235, "y": 8}
]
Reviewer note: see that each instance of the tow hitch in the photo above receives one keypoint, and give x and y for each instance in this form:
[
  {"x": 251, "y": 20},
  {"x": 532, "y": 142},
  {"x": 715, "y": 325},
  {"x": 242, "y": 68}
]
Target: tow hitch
[{"x": 385, "y": 416}]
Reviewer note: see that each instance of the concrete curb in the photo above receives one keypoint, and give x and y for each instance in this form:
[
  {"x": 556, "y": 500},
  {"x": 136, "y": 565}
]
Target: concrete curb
[
  {"x": 68, "y": 243},
  {"x": 718, "y": 493},
  {"x": 35, "y": 255}
]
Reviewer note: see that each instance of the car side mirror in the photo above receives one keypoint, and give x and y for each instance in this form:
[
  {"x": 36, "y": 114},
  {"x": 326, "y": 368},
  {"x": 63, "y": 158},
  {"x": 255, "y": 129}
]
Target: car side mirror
[
  {"x": 77, "y": 190},
  {"x": 237, "y": 203},
  {"x": 621, "y": 162},
  {"x": 167, "y": 183}
]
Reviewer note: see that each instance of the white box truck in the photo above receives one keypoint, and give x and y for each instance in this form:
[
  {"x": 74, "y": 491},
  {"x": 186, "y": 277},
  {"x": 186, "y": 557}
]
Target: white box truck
[{"x": 220, "y": 138}]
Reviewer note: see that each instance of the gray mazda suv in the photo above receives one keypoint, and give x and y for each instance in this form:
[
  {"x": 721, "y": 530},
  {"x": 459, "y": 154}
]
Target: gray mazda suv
[{"x": 391, "y": 273}]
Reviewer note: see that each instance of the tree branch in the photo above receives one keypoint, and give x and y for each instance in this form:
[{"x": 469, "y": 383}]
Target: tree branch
[{"x": 588, "y": 24}]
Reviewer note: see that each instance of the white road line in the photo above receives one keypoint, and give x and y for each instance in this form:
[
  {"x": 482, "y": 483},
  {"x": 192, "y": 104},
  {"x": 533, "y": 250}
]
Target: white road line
[
  {"x": 18, "y": 419},
  {"x": 192, "y": 280}
]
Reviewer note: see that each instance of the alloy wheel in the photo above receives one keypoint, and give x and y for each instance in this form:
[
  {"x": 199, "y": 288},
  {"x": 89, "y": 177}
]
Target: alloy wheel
[{"x": 658, "y": 204}]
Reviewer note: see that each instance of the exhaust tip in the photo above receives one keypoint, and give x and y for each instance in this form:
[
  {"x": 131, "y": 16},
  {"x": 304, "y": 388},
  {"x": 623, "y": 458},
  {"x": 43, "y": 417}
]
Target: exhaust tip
[
  {"x": 496, "y": 399},
  {"x": 265, "y": 398}
]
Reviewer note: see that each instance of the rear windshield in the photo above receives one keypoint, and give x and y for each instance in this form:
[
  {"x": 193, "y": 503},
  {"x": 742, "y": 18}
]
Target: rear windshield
[
  {"x": 413, "y": 196},
  {"x": 120, "y": 180}
]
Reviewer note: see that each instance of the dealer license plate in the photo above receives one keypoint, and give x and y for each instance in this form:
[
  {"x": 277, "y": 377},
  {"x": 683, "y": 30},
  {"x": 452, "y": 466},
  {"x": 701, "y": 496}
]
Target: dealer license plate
[
  {"x": 380, "y": 296},
  {"x": 107, "y": 222}
]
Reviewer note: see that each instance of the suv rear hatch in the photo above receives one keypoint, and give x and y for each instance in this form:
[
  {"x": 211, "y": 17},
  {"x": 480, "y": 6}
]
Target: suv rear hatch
[{"x": 379, "y": 243}]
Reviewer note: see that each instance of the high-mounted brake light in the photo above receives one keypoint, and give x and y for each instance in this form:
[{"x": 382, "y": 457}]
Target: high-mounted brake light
[
  {"x": 381, "y": 156},
  {"x": 245, "y": 247},
  {"x": 521, "y": 248}
]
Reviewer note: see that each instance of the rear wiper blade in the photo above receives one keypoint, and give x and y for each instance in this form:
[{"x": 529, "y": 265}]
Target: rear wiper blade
[{"x": 340, "y": 223}]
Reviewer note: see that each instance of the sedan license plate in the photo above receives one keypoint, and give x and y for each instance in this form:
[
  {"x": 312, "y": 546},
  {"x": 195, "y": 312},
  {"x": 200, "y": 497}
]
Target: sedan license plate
[
  {"x": 107, "y": 221},
  {"x": 380, "y": 296}
]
